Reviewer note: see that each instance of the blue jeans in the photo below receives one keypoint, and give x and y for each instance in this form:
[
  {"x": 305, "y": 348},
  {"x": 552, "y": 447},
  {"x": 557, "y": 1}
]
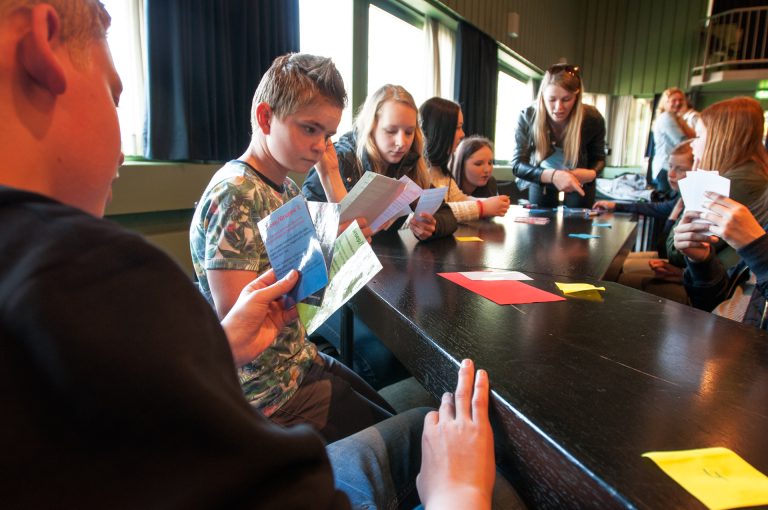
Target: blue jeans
[{"x": 377, "y": 467}]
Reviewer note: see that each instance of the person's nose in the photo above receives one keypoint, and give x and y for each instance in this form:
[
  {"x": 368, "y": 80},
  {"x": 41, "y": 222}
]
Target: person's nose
[
  {"x": 319, "y": 144},
  {"x": 400, "y": 139}
]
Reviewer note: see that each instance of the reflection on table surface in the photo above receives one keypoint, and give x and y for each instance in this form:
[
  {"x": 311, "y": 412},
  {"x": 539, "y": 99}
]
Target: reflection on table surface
[
  {"x": 580, "y": 388},
  {"x": 544, "y": 249}
]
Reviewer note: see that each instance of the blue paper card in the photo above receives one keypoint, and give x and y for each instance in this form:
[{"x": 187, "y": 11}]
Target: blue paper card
[
  {"x": 584, "y": 236},
  {"x": 603, "y": 225},
  {"x": 291, "y": 242}
]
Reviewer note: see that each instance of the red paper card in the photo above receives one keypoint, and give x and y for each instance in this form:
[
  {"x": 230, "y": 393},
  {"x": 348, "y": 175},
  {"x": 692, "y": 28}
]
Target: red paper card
[{"x": 503, "y": 292}]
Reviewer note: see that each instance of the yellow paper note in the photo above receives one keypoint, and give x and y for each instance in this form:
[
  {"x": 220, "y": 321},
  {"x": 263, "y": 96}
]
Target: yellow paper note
[
  {"x": 570, "y": 288},
  {"x": 717, "y": 477},
  {"x": 469, "y": 239}
]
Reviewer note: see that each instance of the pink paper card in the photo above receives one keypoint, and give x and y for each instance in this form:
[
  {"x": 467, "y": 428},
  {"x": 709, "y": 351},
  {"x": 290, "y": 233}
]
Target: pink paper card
[{"x": 503, "y": 292}]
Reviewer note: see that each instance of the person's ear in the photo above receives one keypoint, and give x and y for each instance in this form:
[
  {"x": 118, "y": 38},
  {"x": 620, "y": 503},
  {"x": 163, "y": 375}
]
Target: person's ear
[
  {"x": 264, "y": 116},
  {"x": 36, "y": 50}
]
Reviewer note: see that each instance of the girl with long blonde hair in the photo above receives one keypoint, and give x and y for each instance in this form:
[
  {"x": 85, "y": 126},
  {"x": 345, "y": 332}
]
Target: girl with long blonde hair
[
  {"x": 386, "y": 139},
  {"x": 560, "y": 142}
]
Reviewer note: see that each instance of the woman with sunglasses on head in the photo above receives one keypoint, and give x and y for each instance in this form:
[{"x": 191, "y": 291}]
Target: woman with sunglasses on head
[
  {"x": 442, "y": 122},
  {"x": 560, "y": 142}
]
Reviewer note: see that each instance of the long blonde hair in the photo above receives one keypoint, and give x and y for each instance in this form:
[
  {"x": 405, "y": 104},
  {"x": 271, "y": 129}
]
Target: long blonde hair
[
  {"x": 568, "y": 78},
  {"x": 365, "y": 124},
  {"x": 734, "y": 135}
]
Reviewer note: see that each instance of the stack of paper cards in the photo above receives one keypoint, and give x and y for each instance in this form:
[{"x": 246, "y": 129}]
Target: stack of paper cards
[
  {"x": 533, "y": 220},
  {"x": 503, "y": 291},
  {"x": 495, "y": 275},
  {"x": 696, "y": 183}
]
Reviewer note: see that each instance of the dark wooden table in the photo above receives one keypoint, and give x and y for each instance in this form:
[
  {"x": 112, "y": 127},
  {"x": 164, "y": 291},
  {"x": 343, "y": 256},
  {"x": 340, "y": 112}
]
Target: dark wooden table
[
  {"x": 580, "y": 389},
  {"x": 544, "y": 249}
]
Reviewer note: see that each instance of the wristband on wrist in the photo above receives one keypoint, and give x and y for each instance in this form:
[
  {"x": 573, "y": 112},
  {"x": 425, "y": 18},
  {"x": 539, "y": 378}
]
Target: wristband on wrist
[
  {"x": 552, "y": 178},
  {"x": 480, "y": 207}
]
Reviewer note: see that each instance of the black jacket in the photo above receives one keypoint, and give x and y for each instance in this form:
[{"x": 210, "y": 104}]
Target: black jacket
[
  {"x": 591, "y": 151},
  {"x": 708, "y": 283},
  {"x": 118, "y": 385},
  {"x": 352, "y": 169}
]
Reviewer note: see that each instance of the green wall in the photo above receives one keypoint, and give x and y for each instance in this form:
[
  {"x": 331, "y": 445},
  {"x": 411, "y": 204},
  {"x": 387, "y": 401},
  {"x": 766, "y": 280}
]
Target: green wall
[
  {"x": 157, "y": 200},
  {"x": 625, "y": 47},
  {"x": 640, "y": 48}
]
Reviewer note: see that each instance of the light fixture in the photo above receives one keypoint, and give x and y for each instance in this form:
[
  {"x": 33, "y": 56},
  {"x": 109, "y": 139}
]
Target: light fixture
[
  {"x": 513, "y": 24},
  {"x": 762, "y": 90}
]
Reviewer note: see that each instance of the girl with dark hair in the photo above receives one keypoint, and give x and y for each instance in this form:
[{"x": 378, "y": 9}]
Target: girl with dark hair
[
  {"x": 442, "y": 123},
  {"x": 472, "y": 166}
]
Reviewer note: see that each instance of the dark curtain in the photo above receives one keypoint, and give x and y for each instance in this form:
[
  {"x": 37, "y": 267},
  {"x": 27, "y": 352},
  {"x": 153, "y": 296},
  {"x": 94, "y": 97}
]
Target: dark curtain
[
  {"x": 477, "y": 68},
  {"x": 204, "y": 62}
]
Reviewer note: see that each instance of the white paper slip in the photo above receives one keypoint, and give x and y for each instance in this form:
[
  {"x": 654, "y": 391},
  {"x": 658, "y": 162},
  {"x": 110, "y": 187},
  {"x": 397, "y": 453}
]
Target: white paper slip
[
  {"x": 696, "y": 183},
  {"x": 399, "y": 207},
  {"x": 496, "y": 275},
  {"x": 372, "y": 194},
  {"x": 430, "y": 201}
]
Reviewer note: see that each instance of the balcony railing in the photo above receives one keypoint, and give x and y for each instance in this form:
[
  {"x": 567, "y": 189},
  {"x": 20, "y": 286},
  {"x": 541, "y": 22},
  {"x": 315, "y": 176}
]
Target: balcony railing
[{"x": 734, "y": 39}]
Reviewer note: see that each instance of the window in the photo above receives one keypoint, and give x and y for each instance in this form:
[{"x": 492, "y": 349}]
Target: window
[
  {"x": 127, "y": 43},
  {"x": 638, "y": 127},
  {"x": 599, "y": 101},
  {"x": 396, "y": 54},
  {"x": 440, "y": 52},
  {"x": 513, "y": 96},
  {"x": 315, "y": 18}
]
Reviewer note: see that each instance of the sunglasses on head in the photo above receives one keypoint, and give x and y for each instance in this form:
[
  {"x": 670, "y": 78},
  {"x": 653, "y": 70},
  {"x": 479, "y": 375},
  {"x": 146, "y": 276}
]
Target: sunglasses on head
[{"x": 564, "y": 68}]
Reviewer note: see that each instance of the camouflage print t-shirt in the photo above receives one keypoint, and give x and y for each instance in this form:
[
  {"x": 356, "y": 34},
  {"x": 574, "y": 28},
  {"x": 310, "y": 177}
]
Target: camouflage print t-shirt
[{"x": 224, "y": 236}]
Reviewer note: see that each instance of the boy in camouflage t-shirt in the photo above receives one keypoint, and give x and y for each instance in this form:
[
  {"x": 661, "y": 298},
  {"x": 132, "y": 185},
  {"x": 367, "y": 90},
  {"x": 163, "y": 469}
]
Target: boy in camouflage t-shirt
[
  {"x": 296, "y": 109},
  {"x": 224, "y": 235}
]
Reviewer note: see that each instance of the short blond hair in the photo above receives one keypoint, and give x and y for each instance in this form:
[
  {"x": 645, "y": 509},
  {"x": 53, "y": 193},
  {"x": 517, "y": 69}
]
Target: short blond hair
[
  {"x": 296, "y": 80},
  {"x": 682, "y": 153},
  {"x": 81, "y": 21},
  {"x": 664, "y": 99}
]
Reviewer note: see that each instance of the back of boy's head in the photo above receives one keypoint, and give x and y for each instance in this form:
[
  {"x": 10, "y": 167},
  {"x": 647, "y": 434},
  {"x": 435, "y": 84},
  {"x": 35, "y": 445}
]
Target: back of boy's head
[
  {"x": 294, "y": 81},
  {"x": 80, "y": 21}
]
